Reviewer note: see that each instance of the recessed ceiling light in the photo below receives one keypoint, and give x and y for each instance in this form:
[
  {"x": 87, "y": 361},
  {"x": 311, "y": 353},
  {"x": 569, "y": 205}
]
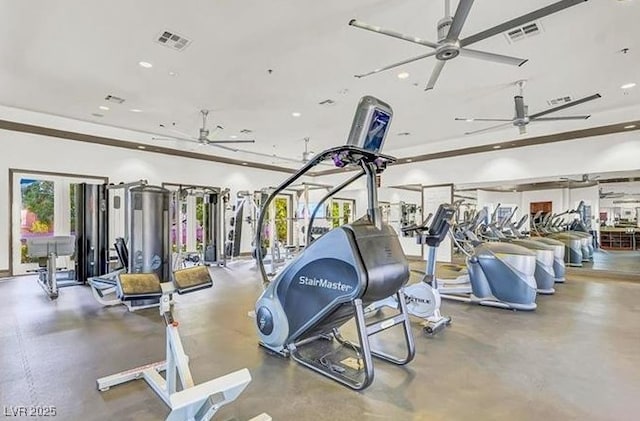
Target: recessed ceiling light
[
  {"x": 497, "y": 147},
  {"x": 630, "y": 126},
  {"x": 135, "y": 110},
  {"x": 104, "y": 108},
  {"x": 142, "y": 147},
  {"x": 628, "y": 85},
  {"x": 296, "y": 114},
  {"x": 403, "y": 75},
  {"x": 244, "y": 163},
  {"x": 409, "y": 160},
  {"x": 145, "y": 64},
  {"x": 171, "y": 73},
  {"x": 469, "y": 120},
  {"x": 233, "y": 136}
]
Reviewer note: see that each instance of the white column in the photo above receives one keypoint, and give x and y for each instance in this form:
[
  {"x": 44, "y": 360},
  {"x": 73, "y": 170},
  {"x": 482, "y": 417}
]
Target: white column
[{"x": 61, "y": 208}]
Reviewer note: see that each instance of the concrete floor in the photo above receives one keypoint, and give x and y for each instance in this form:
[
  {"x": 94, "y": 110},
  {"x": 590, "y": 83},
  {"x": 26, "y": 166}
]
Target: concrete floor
[
  {"x": 576, "y": 358},
  {"x": 615, "y": 260}
]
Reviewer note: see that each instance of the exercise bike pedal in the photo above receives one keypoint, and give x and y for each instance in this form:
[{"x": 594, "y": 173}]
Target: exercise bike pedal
[{"x": 431, "y": 328}]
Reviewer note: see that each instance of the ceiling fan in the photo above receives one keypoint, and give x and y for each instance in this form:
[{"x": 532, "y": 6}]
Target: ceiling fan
[
  {"x": 306, "y": 155},
  {"x": 522, "y": 118},
  {"x": 613, "y": 195},
  {"x": 449, "y": 44},
  {"x": 584, "y": 181},
  {"x": 203, "y": 135}
]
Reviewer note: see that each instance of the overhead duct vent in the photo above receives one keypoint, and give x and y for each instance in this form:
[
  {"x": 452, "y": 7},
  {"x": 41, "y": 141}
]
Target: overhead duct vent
[
  {"x": 246, "y": 131},
  {"x": 114, "y": 99},
  {"x": 524, "y": 31},
  {"x": 559, "y": 101},
  {"x": 172, "y": 40},
  {"x": 327, "y": 102}
]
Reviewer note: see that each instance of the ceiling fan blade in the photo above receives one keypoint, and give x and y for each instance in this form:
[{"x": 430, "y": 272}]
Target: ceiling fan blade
[
  {"x": 435, "y": 74},
  {"x": 226, "y": 148},
  {"x": 519, "y": 21},
  {"x": 184, "y": 139},
  {"x": 400, "y": 63},
  {"x": 173, "y": 139},
  {"x": 482, "y": 119},
  {"x": 179, "y": 133},
  {"x": 573, "y": 117},
  {"x": 497, "y": 58},
  {"x": 362, "y": 25},
  {"x": 490, "y": 128},
  {"x": 229, "y": 141},
  {"x": 522, "y": 129},
  {"x": 464, "y": 7},
  {"x": 519, "y": 105},
  {"x": 567, "y": 105}
]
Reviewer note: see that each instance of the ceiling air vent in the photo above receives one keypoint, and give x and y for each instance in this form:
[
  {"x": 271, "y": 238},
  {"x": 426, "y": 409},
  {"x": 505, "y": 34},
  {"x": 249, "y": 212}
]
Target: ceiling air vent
[
  {"x": 114, "y": 99},
  {"x": 524, "y": 31},
  {"x": 246, "y": 131},
  {"x": 172, "y": 40},
  {"x": 327, "y": 102},
  {"x": 559, "y": 101}
]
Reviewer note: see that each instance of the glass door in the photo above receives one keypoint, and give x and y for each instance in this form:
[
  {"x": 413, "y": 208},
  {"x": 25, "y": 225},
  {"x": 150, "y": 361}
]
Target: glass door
[{"x": 43, "y": 206}]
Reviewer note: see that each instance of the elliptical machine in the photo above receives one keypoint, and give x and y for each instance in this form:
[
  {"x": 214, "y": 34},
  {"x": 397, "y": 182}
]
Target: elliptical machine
[
  {"x": 499, "y": 274},
  {"x": 331, "y": 282},
  {"x": 423, "y": 298}
]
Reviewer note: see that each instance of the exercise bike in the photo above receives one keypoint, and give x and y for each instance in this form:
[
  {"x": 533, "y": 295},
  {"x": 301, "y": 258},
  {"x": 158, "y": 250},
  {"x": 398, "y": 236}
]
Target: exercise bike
[{"x": 423, "y": 298}]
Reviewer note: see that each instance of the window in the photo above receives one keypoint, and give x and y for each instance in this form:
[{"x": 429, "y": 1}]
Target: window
[
  {"x": 43, "y": 205},
  {"x": 342, "y": 212}
]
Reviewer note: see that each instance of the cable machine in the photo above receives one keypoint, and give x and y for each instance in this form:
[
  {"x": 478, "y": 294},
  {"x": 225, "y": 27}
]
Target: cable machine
[{"x": 196, "y": 239}]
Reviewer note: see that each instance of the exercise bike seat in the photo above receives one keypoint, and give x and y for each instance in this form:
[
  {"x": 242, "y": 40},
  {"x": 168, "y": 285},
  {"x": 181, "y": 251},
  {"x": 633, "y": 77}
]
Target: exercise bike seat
[{"x": 138, "y": 286}]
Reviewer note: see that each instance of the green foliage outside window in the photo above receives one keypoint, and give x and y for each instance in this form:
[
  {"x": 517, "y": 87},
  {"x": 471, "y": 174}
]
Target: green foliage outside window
[
  {"x": 38, "y": 198},
  {"x": 335, "y": 214},
  {"x": 282, "y": 219}
]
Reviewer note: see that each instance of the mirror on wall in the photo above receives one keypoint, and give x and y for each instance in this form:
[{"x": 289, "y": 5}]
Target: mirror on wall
[
  {"x": 605, "y": 205},
  {"x": 403, "y": 205}
]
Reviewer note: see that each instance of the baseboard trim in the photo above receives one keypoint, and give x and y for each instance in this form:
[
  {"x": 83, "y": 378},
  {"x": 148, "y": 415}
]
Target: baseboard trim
[{"x": 5, "y": 273}]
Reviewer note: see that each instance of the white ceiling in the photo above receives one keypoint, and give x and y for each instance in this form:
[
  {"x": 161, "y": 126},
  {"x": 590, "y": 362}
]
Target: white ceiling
[{"x": 62, "y": 58}]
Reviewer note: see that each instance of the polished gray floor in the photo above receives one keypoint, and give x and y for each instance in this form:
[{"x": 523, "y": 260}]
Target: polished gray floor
[
  {"x": 576, "y": 358},
  {"x": 615, "y": 260}
]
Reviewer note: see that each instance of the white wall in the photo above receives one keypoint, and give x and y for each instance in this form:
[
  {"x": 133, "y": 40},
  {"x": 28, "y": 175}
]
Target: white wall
[
  {"x": 616, "y": 152},
  {"x": 33, "y": 152},
  {"x": 491, "y": 199}
]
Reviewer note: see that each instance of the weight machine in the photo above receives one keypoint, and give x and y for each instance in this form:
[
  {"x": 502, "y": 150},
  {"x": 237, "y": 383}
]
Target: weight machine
[
  {"x": 47, "y": 250},
  {"x": 184, "y": 205},
  {"x": 144, "y": 244},
  {"x": 186, "y": 400}
]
